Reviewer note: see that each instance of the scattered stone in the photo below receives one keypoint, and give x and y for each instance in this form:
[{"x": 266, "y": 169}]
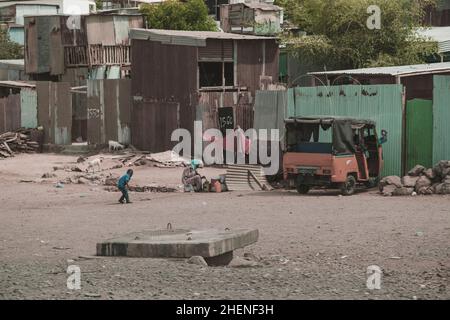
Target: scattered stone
[
  {"x": 111, "y": 181},
  {"x": 390, "y": 180},
  {"x": 429, "y": 173},
  {"x": 76, "y": 169},
  {"x": 239, "y": 262},
  {"x": 198, "y": 260},
  {"x": 416, "y": 171},
  {"x": 251, "y": 256},
  {"x": 409, "y": 181},
  {"x": 422, "y": 182},
  {"x": 48, "y": 175},
  {"x": 403, "y": 191},
  {"x": 92, "y": 295},
  {"x": 388, "y": 190}
]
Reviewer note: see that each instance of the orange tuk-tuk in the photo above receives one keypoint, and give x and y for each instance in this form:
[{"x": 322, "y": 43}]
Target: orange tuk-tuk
[{"x": 332, "y": 152}]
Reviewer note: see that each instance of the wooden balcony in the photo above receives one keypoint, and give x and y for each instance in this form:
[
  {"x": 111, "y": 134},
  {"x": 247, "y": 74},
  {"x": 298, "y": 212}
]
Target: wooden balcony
[{"x": 96, "y": 55}]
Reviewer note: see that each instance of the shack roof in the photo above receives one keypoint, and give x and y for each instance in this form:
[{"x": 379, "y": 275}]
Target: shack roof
[
  {"x": 17, "y": 84},
  {"x": 16, "y": 64},
  {"x": 402, "y": 71},
  {"x": 441, "y": 35},
  {"x": 329, "y": 120},
  {"x": 188, "y": 38}
]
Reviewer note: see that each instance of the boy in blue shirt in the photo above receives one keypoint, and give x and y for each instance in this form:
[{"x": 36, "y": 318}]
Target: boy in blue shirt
[{"x": 123, "y": 184}]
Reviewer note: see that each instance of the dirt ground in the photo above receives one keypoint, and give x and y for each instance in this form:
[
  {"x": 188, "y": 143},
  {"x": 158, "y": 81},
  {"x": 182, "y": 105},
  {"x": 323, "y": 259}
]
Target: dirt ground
[{"x": 316, "y": 246}]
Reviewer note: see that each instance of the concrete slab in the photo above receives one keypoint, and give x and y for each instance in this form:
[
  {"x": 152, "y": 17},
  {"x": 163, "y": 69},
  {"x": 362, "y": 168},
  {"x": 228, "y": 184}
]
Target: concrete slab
[{"x": 178, "y": 243}]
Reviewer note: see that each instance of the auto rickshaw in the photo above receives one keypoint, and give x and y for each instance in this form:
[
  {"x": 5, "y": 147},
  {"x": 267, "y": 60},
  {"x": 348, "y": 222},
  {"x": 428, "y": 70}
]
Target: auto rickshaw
[{"x": 332, "y": 152}]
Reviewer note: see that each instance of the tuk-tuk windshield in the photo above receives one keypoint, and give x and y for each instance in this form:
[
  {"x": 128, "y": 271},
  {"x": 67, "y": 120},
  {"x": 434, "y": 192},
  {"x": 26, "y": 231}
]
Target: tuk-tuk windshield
[
  {"x": 318, "y": 138},
  {"x": 309, "y": 138}
]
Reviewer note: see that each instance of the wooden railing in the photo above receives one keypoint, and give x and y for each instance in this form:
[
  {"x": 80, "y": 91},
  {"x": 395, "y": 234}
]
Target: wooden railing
[{"x": 94, "y": 55}]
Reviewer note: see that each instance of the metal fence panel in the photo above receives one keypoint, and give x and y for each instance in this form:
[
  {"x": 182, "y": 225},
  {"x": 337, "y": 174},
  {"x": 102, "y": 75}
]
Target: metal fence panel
[
  {"x": 419, "y": 133},
  {"x": 28, "y": 108},
  {"x": 441, "y": 117},
  {"x": 382, "y": 103}
]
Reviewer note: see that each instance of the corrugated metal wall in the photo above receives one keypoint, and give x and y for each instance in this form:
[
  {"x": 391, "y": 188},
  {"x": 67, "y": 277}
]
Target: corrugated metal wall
[
  {"x": 9, "y": 113},
  {"x": 210, "y": 102},
  {"x": 382, "y": 103},
  {"x": 441, "y": 118},
  {"x": 252, "y": 74},
  {"x": 28, "y": 108},
  {"x": 164, "y": 75},
  {"x": 419, "y": 133},
  {"x": 153, "y": 124},
  {"x": 109, "y": 116},
  {"x": 55, "y": 111}
]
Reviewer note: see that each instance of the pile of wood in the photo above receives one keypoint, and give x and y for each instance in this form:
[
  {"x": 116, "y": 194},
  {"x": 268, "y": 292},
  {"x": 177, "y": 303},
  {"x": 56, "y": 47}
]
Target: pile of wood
[{"x": 19, "y": 141}]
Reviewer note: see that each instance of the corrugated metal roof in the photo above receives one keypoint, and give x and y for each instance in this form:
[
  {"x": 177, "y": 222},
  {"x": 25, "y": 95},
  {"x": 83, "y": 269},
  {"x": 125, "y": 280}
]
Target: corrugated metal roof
[
  {"x": 17, "y": 84},
  {"x": 187, "y": 38},
  {"x": 439, "y": 34},
  {"x": 17, "y": 64},
  {"x": 408, "y": 70}
]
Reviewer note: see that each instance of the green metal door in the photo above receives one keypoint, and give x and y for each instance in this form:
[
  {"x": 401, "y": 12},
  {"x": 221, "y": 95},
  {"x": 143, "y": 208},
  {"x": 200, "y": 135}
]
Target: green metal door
[{"x": 419, "y": 133}]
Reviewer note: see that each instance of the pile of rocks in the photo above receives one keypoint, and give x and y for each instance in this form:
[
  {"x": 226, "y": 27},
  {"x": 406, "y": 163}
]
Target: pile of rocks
[{"x": 419, "y": 180}]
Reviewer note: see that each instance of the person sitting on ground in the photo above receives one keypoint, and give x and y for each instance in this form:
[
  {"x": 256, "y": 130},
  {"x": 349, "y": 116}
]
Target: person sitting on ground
[
  {"x": 191, "y": 179},
  {"x": 123, "y": 185}
]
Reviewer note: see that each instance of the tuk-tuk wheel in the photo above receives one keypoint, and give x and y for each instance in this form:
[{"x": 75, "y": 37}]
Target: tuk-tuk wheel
[
  {"x": 348, "y": 187},
  {"x": 302, "y": 188}
]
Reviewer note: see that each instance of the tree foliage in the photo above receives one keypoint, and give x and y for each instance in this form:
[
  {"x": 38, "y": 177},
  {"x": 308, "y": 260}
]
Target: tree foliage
[
  {"x": 8, "y": 48},
  {"x": 175, "y": 15},
  {"x": 338, "y": 36}
]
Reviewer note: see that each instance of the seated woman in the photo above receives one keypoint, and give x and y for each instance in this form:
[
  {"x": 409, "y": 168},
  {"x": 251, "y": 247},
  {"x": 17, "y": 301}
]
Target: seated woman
[{"x": 191, "y": 179}]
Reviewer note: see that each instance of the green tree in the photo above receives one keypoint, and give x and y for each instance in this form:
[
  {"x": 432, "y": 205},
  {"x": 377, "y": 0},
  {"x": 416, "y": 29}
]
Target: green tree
[
  {"x": 8, "y": 48},
  {"x": 176, "y": 15},
  {"x": 338, "y": 36}
]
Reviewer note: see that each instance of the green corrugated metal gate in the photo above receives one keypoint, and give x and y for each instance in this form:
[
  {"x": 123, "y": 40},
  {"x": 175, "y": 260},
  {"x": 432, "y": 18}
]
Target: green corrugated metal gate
[
  {"x": 419, "y": 133},
  {"x": 382, "y": 103},
  {"x": 441, "y": 118}
]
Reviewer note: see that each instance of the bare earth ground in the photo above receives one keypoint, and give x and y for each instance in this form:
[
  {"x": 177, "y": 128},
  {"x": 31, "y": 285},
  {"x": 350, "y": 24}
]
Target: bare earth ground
[{"x": 316, "y": 246}]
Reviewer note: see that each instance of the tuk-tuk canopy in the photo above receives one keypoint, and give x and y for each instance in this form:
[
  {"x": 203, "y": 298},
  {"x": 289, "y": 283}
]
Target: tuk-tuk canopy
[{"x": 343, "y": 130}]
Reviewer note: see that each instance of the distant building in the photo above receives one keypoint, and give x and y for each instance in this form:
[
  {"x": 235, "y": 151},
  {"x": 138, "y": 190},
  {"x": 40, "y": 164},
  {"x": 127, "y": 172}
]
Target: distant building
[
  {"x": 72, "y": 49},
  {"x": 258, "y": 18},
  {"x": 12, "y": 70}
]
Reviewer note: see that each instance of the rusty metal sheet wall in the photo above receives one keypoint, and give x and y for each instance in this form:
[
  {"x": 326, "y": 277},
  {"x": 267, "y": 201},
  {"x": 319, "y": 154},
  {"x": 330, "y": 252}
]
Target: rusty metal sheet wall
[
  {"x": 109, "y": 103},
  {"x": 250, "y": 69},
  {"x": 164, "y": 75},
  {"x": 216, "y": 49},
  {"x": 9, "y": 113},
  {"x": 210, "y": 102},
  {"x": 95, "y": 125},
  {"x": 30, "y": 46},
  {"x": 56, "y": 47},
  {"x": 55, "y": 111},
  {"x": 100, "y": 30},
  {"x": 153, "y": 124}
]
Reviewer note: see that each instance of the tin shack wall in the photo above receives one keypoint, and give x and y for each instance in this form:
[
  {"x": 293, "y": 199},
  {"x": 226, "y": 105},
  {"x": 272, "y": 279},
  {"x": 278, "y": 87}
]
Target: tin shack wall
[
  {"x": 109, "y": 115},
  {"x": 9, "y": 112},
  {"x": 55, "y": 111},
  {"x": 163, "y": 76},
  {"x": 441, "y": 117},
  {"x": 257, "y": 63}
]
